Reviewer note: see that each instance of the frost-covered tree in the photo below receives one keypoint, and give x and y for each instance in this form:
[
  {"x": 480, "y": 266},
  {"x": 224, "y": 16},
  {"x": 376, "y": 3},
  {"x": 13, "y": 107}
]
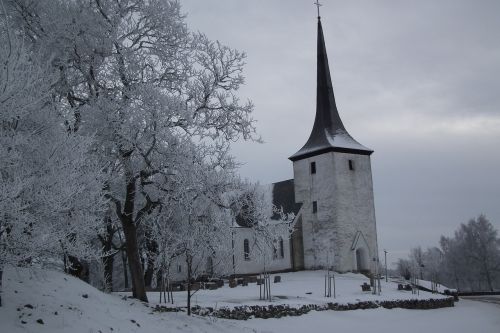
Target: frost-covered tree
[
  {"x": 417, "y": 262},
  {"x": 268, "y": 223},
  {"x": 481, "y": 249},
  {"x": 472, "y": 257},
  {"x": 404, "y": 268},
  {"x": 194, "y": 227},
  {"x": 109, "y": 238},
  {"x": 433, "y": 263},
  {"x": 131, "y": 74},
  {"x": 454, "y": 269},
  {"x": 50, "y": 191},
  {"x": 470, "y": 260}
]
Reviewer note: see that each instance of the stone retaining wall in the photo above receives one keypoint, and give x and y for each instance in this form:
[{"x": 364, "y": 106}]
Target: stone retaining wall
[{"x": 278, "y": 311}]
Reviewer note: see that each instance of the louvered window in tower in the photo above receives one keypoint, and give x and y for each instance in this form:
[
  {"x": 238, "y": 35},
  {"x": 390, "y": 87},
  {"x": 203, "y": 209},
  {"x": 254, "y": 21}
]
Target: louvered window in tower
[{"x": 246, "y": 249}]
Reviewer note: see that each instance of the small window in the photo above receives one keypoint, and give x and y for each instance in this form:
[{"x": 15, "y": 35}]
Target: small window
[
  {"x": 282, "y": 249},
  {"x": 179, "y": 268},
  {"x": 246, "y": 249},
  {"x": 313, "y": 168},
  {"x": 315, "y": 207},
  {"x": 210, "y": 266},
  {"x": 351, "y": 165}
]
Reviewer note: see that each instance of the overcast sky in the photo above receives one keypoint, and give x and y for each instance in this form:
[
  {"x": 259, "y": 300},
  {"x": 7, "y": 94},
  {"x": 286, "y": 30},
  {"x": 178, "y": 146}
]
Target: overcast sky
[{"x": 416, "y": 81}]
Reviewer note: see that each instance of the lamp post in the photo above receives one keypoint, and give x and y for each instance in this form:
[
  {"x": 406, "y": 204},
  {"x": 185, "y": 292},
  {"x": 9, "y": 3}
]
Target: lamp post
[{"x": 385, "y": 259}]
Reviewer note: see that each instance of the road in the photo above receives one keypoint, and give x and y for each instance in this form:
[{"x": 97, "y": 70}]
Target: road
[{"x": 493, "y": 299}]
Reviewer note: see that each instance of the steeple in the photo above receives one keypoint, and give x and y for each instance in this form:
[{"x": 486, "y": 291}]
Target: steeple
[{"x": 328, "y": 133}]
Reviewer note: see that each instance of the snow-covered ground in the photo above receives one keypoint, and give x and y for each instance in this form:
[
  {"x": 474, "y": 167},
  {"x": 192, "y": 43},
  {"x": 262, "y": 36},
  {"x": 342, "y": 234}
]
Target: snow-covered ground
[
  {"x": 65, "y": 304},
  {"x": 297, "y": 288},
  {"x": 426, "y": 284},
  {"x": 465, "y": 317}
]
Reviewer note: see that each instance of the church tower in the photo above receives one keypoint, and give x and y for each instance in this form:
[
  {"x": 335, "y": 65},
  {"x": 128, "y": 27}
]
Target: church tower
[{"x": 333, "y": 181}]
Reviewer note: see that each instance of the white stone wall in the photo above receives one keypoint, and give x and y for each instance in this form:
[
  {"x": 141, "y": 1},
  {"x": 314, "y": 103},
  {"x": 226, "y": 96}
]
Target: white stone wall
[
  {"x": 256, "y": 261},
  {"x": 255, "y": 264},
  {"x": 345, "y": 207}
]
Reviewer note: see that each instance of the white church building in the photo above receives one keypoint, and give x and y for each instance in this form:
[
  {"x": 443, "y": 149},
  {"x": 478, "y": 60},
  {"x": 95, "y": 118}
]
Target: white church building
[{"x": 331, "y": 196}]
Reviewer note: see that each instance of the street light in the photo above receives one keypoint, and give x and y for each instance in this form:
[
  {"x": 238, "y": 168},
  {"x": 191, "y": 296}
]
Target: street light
[{"x": 385, "y": 257}]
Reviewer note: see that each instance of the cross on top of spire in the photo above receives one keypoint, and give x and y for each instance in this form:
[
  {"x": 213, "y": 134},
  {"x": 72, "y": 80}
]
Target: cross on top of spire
[{"x": 318, "y": 4}]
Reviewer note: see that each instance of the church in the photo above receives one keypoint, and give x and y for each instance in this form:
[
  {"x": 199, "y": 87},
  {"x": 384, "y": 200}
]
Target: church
[
  {"x": 331, "y": 194},
  {"x": 331, "y": 197}
]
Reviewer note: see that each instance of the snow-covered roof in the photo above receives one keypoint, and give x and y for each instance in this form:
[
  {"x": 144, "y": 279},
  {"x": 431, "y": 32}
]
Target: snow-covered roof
[{"x": 328, "y": 133}]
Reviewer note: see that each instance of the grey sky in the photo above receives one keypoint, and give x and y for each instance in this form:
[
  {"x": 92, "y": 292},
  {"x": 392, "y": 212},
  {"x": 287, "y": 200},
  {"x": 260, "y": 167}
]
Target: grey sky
[{"x": 417, "y": 81}]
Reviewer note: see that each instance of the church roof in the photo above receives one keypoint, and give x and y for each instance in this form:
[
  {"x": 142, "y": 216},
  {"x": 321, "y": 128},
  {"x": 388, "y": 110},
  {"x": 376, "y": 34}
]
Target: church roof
[
  {"x": 328, "y": 133},
  {"x": 281, "y": 195},
  {"x": 284, "y": 198}
]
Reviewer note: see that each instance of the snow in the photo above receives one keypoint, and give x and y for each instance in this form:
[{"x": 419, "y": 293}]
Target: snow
[
  {"x": 342, "y": 139},
  {"x": 81, "y": 309},
  {"x": 426, "y": 284},
  {"x": 440, "y": 287},
  {"x": 297, "y": 288},
  {"x": 465, "y": 317},
  {"x": 339, "y": 139}
]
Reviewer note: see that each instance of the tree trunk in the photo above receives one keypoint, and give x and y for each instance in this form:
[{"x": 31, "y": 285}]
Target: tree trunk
[
  {"x": 188, "y": 262},
  {"x": 488, "y": 278},
  {"x": 108, "y": 273},
  {"x": 134, "y": 261},
  {"x": 457, "y": 282},
  {"x": 148, "y": 276},
  {"x": 78, "y": 268},
  {"x": 132, "y": 249},
  {"x": 125, "y": 269},
  {"x": 152, "y": 249},
  {"x": 108, "y": 261},
  {"x": 123, "y": 246},
  {"x": 1, "y": 290}
]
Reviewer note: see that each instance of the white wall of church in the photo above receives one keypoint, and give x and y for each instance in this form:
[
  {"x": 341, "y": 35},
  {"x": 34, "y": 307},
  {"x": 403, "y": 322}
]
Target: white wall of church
[
  {"x": 345, "y": 206},
  {"x": 253, "y": 264},
  {"x": 257, "y": 259}
]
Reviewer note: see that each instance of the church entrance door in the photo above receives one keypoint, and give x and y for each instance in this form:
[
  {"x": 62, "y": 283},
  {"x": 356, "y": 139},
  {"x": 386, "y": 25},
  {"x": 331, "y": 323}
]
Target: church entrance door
[{"x": 361, "y": 260}]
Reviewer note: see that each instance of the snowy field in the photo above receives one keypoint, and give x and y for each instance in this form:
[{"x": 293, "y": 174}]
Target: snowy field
[
  {"x": 61, "y": 303},
  {"x": 465, "y": 317},
  {"x": 297, "y": 288}
]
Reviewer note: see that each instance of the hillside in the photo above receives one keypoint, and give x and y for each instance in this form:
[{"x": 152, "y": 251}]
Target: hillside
[
  {"x": 46, "y": 301},
  {"x": 66, "y": 304}
]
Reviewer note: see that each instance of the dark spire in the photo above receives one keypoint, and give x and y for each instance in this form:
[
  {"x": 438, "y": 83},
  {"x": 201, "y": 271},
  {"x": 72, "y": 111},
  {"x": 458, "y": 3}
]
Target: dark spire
[{"x": 328, "y": 133}]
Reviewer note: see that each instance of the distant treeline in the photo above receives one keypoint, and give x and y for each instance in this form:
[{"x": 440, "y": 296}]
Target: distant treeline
[{"x": 467, "y": 261}]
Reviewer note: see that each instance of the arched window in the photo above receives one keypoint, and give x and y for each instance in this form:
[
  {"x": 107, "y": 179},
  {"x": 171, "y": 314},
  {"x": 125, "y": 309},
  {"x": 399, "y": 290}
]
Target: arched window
[
  {"x": 282, "y": 249},
  {"x": 246, "y": 249}
]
